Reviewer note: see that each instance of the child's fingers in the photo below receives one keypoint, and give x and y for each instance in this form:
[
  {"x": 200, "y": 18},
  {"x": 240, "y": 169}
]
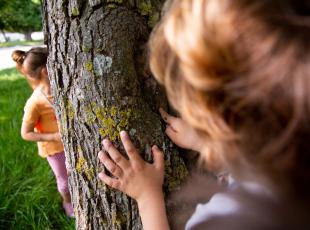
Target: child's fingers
[
  {"x": 110, "y": 165},
  {"x": 171, "y": 133},
  {"x": 129, "y": 147},
  {"x": 114, "y": 183},
  {"x": 115, "y": 154},
  {"x": 158, "y": 157},
  {"x": 167, "y": 118}
]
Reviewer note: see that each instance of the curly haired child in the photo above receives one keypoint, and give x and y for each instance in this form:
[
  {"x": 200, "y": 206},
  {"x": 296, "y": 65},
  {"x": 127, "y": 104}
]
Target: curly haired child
[{"x": 238, "y": 73}]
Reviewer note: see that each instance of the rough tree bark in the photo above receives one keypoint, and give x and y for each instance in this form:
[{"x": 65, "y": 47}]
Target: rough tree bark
[{"x": 101, "y": 85}]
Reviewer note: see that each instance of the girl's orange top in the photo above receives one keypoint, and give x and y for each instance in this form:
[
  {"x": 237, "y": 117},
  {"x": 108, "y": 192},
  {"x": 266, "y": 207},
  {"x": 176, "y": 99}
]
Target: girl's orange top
[{"x": 39, "y": 112}]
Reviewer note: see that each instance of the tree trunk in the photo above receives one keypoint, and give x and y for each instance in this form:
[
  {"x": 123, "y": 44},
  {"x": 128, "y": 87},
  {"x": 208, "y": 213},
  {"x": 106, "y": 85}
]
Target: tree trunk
[
  {"x": 28, "y": 36},
  {"x": 5, "y": 37},
  {"x": 101, "y": 85}
]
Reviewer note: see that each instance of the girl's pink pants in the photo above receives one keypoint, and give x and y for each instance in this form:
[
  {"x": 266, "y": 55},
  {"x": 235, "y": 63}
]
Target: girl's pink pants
[{"x": 57, "y": 163}]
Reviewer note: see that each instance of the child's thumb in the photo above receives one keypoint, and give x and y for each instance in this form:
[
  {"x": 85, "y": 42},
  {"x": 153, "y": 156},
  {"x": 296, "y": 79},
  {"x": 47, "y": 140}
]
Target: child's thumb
[{"x": 158, "y": 157}]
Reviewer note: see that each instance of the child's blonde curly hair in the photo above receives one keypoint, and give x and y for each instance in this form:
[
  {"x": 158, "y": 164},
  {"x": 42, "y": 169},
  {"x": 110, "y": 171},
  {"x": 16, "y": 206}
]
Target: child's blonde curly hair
[{"x": 239, "y": 72}]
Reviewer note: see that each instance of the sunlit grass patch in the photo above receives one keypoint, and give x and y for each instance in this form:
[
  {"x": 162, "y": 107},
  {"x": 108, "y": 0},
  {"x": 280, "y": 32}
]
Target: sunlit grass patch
[{"x": 21, "y": 43}]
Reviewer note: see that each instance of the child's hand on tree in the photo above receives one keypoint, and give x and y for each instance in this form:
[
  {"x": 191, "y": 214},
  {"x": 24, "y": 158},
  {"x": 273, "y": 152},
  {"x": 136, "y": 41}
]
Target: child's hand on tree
[
  {"x": 181, "y": 133},
  {"x": 135, "y": 177}
]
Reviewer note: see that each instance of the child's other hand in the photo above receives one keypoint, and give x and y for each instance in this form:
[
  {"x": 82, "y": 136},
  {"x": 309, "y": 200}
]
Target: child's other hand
[
  {"x": 135, "y": 177},
  {"x": 181, "y": 133}
]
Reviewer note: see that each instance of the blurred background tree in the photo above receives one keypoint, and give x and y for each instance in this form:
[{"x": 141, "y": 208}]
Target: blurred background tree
[
  {"x": 3, "y": 3},
  {"x": 23, "y": 16}
]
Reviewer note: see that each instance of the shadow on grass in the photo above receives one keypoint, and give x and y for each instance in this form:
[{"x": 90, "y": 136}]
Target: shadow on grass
[{"x": 28, "y": 193}]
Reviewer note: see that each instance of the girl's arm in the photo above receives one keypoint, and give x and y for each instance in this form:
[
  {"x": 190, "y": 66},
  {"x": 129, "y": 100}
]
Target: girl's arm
[
  {"x": 138, "y": 179},
  {"x": 28, "y": 134}
]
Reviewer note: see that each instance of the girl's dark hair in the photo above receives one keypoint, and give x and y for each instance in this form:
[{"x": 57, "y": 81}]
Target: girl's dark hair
[{"x": 36, "y": 58}]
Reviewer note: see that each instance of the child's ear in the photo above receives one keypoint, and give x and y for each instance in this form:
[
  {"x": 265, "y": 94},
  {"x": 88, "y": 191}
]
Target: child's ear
[{"x": 44, "y": 71}]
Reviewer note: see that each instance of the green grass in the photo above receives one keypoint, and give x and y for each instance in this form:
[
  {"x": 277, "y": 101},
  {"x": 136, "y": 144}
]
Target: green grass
[
  {"x": 21, "y": 43},
  {"x": 28, "y": 193}
]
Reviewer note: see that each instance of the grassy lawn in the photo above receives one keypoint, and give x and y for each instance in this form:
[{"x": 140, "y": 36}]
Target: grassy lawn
[
  {"x": 21, "y": 43},
  {"x": 28, "y": 193}
]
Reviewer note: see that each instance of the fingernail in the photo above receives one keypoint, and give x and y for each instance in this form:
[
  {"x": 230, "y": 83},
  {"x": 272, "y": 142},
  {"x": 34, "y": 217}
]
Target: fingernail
[
  {"x": 100, "y": 175},
  {"x": 123, "y": 134},
  {"x": 155, "y": 147},
  {"x": 100, "y": 154},
  {"x": 106, "y": 142}
]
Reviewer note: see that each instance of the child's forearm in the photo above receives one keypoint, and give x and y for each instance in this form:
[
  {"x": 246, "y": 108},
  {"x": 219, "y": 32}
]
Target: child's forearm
[
  {"x": 34, "y": 136},
  {"x": 153, "y": 212}
]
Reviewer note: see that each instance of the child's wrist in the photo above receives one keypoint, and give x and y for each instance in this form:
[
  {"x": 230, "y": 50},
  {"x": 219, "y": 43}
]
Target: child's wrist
[{"x": 147, "y": 200}]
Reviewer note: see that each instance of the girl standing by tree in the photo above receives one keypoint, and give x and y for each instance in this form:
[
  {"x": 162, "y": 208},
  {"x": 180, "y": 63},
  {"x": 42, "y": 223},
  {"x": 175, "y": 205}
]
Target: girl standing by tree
[{"x": 39, "y": 122}]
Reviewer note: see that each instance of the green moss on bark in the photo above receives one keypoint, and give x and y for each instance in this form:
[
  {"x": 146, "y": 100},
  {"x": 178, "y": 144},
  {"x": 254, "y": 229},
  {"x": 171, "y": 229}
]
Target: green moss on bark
[{"x": 147, "y": 9}]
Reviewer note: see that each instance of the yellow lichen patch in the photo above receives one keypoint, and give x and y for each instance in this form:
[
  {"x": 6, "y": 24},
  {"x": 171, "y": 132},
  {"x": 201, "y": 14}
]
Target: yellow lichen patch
[
  {"x": 116, "y": 1},
  {"x": 100, "y": 113},
  {"x": 80, "y": 164},
  {"x": 104, "y": 221},
  {"x": 128, "y": 215},
  {"x": 103, "y": 132},
  {"x": 93, "y": 104},
  {"x": 63, "y": 124},
  {"x": 70, "y": 109},
  {"x": 82, "y": 167},
  {"x": 91, "y": 192},
  {"x": 89, "y": 66},
  {"x": 118, "y": 218},
  {"x": 145, "y": 8},
  {"x": 113, "y": 111},
  {"x": 75, "y": 11},
  {"x": 112, "y": 5},
  {"x": 89, "y": 173},
  {"x": 112, "y": 121},
  {"x": 109, "y": 123},
  {"x": 89, "y": 115},
  {"x": 79, "y": 150},
  {"x": 85, "y": 49},
  {"x": 99, "y": 50},
  {"x": 153, "y": 19},
  {"x": 173, "y": 179}
]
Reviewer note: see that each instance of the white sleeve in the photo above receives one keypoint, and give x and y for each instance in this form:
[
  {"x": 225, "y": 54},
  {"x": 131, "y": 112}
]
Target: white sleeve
[{"x": 219, "y": 205}]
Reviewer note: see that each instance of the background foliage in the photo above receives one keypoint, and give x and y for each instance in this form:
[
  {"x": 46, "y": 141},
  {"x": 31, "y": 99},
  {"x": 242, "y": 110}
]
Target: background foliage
[{"x": 22, "y": 16}]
